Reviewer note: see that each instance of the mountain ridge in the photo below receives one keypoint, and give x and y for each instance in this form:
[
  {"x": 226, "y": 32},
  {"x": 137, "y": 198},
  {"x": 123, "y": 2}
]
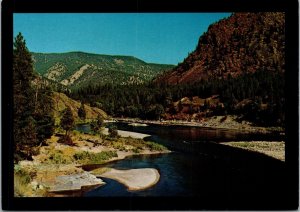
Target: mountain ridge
[
  {"x": 76, "y": 69},
  {"x": 242, "y": 43}
]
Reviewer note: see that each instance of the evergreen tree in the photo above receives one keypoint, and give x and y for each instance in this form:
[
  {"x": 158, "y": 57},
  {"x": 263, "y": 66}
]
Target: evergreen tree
[
  {"x": 23, "y": 94},
  {"x": 81, "y": 112},
  {"x": 67, "y": 121},
  {"x": 113, "y": 131},
  {"x": 159, "y": 110},
  {"x": 43, "y": 113},
  {"x": 98, "y": 124}
]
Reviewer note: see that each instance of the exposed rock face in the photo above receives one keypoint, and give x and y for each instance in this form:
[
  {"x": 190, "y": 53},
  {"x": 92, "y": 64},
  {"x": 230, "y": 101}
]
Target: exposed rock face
[
  {"x": 75, "y": 182},
  {"x": 242, "y": 43}
]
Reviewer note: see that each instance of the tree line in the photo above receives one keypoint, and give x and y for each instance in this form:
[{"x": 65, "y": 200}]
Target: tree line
[{"x": 150, "y": 100}]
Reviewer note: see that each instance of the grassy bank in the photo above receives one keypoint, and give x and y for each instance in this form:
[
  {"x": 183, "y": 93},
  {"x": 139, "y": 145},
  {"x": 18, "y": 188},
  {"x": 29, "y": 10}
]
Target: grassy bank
[{"x": 34, "y": 178}]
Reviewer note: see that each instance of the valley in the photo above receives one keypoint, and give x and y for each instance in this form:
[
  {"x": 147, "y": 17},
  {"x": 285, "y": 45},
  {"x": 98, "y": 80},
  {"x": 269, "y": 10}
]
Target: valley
[{"x": 213, "y": 125}]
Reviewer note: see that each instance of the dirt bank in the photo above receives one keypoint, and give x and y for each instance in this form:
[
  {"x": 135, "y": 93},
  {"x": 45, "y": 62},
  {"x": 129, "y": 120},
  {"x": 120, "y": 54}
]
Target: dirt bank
[
  {"x": 272, "y": 149},
  {"x": 231, "y": 122}
]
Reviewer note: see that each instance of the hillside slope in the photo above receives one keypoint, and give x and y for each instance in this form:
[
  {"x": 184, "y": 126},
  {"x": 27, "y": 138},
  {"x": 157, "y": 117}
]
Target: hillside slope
[
  {"x": 77, "y": 69},
  {"x": 242, "y": 43},
  {"x": 61, "y": 101}
]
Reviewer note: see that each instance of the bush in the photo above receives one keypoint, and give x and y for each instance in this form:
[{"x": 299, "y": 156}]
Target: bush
[
  {"x": 223, "y": 119},
  {"x": 94, "y": 158},
  {"x": 57, "y": 157},
  {"x": 113, "y": 131},
  {"x": 136, "y": 150},
  {"x": 22, "y": 178},
  {"x": 67, "y": 140},
  {"x": 155, "y": 146},
  {"x": 24, "y": 175}
]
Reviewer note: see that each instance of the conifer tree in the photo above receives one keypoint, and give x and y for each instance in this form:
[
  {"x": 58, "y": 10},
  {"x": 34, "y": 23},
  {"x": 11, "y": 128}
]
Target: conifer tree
[
  {"x": 67, "y": 121},
  {"x": 81, "y": 112},
  {"x": 98, "y": 124},
  {"x": 44, "y": 114},
  {"x": 24, "y": 130}
]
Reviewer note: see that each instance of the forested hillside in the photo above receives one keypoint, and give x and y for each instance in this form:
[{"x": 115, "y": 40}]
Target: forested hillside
[
  {"x": 77, "y": 69},
  {"x": 242, "y": 43},
  {"x": 239, "y": 59}
]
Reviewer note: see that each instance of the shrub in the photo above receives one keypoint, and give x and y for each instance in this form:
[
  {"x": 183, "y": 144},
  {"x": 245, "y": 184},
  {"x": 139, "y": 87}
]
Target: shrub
[
  {"x": 94, "y": 158},
  {"x": 113, "y": 131},
  {"x": 22, "y": 178},
  {"x": 66, "y": 140},
  {"x": 223, "y": 119},
  {"x": 57, "y": 157},
  {"x": 136, "y": 150},
  {"x": 155, "y": 146},
  {"x": 24, "y": 175}
]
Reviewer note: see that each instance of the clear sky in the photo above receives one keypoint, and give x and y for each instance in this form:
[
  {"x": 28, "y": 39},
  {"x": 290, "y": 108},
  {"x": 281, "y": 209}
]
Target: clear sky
[{"x": 153, "y": 37}]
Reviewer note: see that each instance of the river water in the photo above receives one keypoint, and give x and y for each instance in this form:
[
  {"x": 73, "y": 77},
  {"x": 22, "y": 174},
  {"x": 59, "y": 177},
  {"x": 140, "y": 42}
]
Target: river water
[{"x": 200, "y": 167}]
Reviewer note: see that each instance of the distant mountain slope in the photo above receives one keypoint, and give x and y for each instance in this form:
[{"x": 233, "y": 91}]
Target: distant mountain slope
[
  {"x": 242, "y": 43},
  {"x": 61, "y": 101},
  {"x": 76, "y": 69}
]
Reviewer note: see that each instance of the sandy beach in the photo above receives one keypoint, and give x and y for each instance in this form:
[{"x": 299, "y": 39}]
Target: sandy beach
[
  {"x": 134, "y": 179},
  {"x": 124, "y": 133}
]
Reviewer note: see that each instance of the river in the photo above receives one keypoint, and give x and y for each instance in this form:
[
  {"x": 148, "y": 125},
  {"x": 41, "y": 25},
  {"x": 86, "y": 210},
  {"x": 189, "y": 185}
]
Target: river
[{"x": 200, "y": 167}]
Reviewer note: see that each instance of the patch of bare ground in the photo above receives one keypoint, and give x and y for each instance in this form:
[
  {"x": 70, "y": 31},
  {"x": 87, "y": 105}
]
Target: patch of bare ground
[{"x": 275, "y": 149}]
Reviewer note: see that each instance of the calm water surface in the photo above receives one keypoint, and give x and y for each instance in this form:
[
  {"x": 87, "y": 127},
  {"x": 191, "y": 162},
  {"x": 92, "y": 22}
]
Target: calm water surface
[{"x": 199, "y": 166}]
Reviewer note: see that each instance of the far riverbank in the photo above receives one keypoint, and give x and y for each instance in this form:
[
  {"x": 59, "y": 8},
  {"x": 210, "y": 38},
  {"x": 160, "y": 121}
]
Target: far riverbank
[{"x": 229, "y": 122}]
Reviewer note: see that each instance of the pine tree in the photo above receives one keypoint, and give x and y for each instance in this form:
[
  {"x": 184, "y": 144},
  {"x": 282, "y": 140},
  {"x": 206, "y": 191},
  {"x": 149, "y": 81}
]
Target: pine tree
[
  {"x": 159, "y": 110},
  {"x": 81, "y": 112},
  {"x": 43, "y": 113},
  {"x": 67, "y": 121},
  {"x": 25, "y": 136},
  {"x": 98, "y": 124},
  {"x": 113, "y": 131}
]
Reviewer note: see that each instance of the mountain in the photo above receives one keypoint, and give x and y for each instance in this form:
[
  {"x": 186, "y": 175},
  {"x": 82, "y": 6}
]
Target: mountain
[
  {"x": 76, "y": 69},
  {"x": 241, "y": 43}
]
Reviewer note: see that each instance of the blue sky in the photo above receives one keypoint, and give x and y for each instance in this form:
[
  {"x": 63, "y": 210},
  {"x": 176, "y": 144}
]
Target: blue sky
[{"x": 153, "y": 37}]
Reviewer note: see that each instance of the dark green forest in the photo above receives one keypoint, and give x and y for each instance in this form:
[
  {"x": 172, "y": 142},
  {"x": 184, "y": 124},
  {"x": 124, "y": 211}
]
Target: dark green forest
[{"x": 263, "y": 89}]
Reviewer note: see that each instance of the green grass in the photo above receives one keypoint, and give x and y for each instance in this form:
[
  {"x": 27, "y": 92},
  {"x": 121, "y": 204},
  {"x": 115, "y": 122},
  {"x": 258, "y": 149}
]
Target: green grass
[
  {"x": 83, "y": 157},
  {"x": 100, "y": 171},
  {"x": 133, "y": 144},
  {"x": 58, "y": 157},
  {"x": 22, "y": 180},
  {"x": 94, "y": 158},
  {"x": 155, "y": 146}
]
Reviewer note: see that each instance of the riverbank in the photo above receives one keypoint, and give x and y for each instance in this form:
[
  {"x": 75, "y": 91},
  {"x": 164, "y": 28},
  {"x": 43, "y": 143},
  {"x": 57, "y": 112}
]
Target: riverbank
[
  {"x": 230, "y": 122},
  {"x": 275, "y": 149},
  {"x": 124, "y": 133},
  {"x": 57, "y": 169}
]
